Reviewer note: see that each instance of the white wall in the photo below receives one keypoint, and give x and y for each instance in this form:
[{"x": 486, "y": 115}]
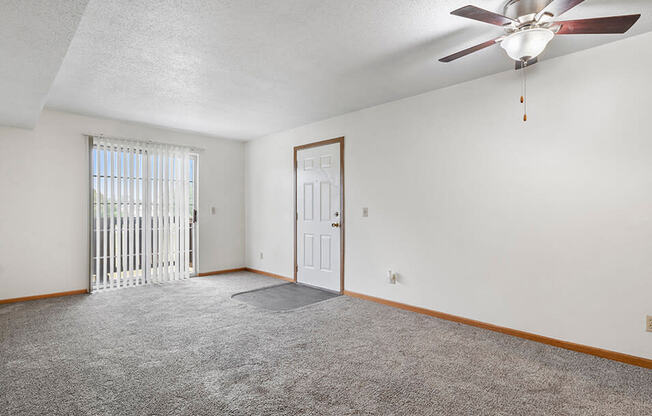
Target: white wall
[
  {"x": 44, "y": 201},
  {"x": 544, "y": 226}
]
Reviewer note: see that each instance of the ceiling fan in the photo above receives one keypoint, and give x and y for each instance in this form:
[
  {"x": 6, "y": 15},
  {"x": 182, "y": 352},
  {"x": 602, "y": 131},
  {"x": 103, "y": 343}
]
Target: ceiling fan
[{"x": 531, "y": 24}]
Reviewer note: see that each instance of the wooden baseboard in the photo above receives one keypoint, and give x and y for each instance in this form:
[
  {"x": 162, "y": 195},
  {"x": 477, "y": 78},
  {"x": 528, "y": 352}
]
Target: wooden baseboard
[
  {"x": 598, "y": 352},
  {"x": 246, "y": 269},
  {"x": 240, "y": 269},
  {"x": 47, "y": 295},
  {"x": 277, "y": 276}
]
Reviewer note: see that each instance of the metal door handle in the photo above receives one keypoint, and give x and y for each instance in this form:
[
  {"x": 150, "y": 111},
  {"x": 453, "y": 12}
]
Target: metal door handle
[{"x": 335, "y": 225}]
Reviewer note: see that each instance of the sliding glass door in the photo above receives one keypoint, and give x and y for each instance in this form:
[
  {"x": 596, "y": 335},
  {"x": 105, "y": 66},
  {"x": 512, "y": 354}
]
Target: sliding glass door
[
  {"x": 144, "y": 219},
  {"x": 193, "y": 213}
]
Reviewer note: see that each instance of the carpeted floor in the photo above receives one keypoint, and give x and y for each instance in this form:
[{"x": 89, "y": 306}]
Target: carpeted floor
[{"x": 187, "y": 348}]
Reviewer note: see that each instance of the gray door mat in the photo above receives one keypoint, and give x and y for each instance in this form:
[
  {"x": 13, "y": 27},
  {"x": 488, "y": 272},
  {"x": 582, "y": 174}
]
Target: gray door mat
[{"x": 284, "y": 297}]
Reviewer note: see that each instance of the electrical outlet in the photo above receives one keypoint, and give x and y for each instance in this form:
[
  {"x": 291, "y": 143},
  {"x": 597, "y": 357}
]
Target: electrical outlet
[
  {"x": 365, "y": 212},
  {"x": 261, "y": 255},
  {"x": 648, "y": 323}
]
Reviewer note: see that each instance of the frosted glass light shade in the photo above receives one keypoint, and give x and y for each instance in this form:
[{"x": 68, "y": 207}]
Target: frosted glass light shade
[{"x": 527, "y": 44}]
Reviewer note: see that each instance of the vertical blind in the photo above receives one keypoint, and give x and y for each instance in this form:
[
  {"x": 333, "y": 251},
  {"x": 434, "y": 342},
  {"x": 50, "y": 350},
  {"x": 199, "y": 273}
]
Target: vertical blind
[{"x": 141, "y": 220}]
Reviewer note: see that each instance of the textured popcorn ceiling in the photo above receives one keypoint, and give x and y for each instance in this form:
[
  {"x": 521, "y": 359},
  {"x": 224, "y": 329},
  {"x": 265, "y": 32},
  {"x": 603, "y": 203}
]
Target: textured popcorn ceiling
[
  {"x": 246, "y": 68},
  {"x": 34, "y": 38}
]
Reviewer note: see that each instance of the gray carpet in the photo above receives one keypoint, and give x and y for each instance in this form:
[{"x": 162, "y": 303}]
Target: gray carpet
[
  {"x": 283, "y": 297},
  {"x": 187, "y": 348}
]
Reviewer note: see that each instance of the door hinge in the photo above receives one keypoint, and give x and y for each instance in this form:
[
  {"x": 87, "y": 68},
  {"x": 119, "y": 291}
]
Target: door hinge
[
  {"x": 296, "y": 267},
  {"x": 296, "y": 216}
]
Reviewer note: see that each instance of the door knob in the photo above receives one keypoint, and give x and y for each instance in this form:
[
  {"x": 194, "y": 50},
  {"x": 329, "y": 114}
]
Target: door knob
[{"x": 335, "y": 224}]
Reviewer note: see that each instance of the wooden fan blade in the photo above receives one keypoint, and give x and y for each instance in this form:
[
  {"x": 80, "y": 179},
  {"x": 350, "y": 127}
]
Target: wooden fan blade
[
  {"x": 469, "y": 50},
  {"x": 613, "y": 24},
  {"x": 482, "y": 15},
  {"x": 519, "y": 64},
  {"x": 559, "y": 7}
]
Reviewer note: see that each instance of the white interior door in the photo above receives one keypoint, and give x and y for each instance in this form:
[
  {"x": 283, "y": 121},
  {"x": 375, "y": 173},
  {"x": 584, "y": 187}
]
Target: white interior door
[{"x": 319, "y": 216}]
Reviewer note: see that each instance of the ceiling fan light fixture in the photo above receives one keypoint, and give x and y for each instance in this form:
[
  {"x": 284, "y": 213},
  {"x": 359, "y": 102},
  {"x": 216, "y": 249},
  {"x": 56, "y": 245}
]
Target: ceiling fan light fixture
[{"x": 527, "y": 44}]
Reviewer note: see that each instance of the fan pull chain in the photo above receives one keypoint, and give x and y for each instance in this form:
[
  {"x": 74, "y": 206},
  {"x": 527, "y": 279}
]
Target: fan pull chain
[{"x": 524, "y": 92}]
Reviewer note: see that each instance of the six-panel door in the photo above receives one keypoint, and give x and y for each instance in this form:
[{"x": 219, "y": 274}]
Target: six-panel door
[{"x": 319, "y": 216}]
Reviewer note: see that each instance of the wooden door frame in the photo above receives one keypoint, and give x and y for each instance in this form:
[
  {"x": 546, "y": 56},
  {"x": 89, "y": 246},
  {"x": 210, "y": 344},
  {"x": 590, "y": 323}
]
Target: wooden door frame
[{"x": 339, "y": 140}]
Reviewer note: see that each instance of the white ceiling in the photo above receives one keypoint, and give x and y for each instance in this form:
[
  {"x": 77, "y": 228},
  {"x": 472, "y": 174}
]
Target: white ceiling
[
  {"x": 245, "y": 68},
  {"x": 34, "y": 38}
]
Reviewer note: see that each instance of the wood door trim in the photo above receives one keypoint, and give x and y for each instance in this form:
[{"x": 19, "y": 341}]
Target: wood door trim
[
  {"x": 319, "y": 143},
  {"x": 45, "y": 296},
  {"x": 598, "y": 352},
  {"x": 339, "y": 140}
]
